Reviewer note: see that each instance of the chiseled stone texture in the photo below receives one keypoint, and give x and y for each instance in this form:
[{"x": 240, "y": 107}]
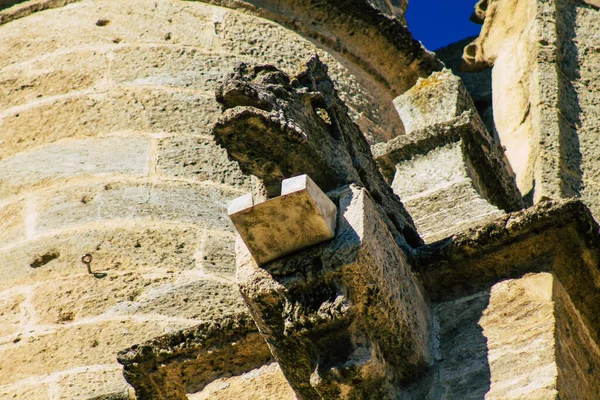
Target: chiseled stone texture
[
  {"x": 106, "y": 110},
  {"x": 521, "y": 339},
  {"x": 266, "y": 382},
  {"x": 500, "y": 343},
  {"x": 517, "y": 305},
  {"x": 439, "y": 194},
  {"x": 438, "y": 98},
  {"x": 545, "y": 93},
  {"x": 478, "y": 83},
  {"x": 301, "y": 217},
  {"x": 200, "y": 359},
  {"x": 446, "y": 169},
  {"x": 511, "y": 41},
  {"x": 360, "y": 326}
]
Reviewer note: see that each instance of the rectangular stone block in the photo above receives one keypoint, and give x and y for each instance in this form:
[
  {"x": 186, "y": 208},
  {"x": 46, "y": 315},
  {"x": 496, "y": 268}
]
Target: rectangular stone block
[
  {"x": 438, "y": 98},
  {"x": 83, "y": 295},
  {"x": 200, "y": 300},
  {"x": 200, "y": 159},
  {"x": 449, "y": 210},
  {"x": 114, "y": 155},
  {"x": 33, "y": 80},
  {"x": 301, "y": 217},
  {"x": 187, "y": 203},
  {"x": 170, "y": 66},
  {"x": 78, "y": 345},
  {"x": 137, "y": 249},
  {"x": 99, "y": 383},
  {"x": 430, "y": 172},
  {"x": 134, "y": 109}
]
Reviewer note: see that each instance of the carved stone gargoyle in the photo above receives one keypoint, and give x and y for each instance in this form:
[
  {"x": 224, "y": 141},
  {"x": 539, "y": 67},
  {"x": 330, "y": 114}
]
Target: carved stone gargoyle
[
  {"x": 346, "y": 318},
  {"x": 277, "y": 127}
]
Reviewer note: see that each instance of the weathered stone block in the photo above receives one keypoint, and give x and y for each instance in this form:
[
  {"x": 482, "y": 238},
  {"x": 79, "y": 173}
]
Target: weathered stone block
[
  {"x": 500, "y": 343},
  {"x": 115, "y": 249},
  {"x": 448, "y": 174},
  {"x": 483, "y": 161},
  {"x": 78, "y": 345},
  {"x": 450, "y": 210},
  {"x": 33, "y": 391},
  {"x": 13, "y": 222},
  {"x": 11, "y": 313},
  {"x": 204, "y": 205},
  {"x": 435, "y": 170},
  {"x": 517, "y": 303},
  {"x": 264, "y": 382},
  {"x": 301, "y": 217},
  {"x": 172, "y": 365},
  {"x": 200, "y": 159},
  {"x": 438, "y": 98},
  {"x": 170, "y": 66},
  {"x": 201, "y": 300},
  {"x": 107, "y": 383},
  {"x": 217, "y": 254},
  {"x": 83, "y": 295},
  {"x": 134, "y": 109},
  {"x": 31, "y": 81},
  {"x": 347, "y": 318},
  {"x": 70, "y": 158}
]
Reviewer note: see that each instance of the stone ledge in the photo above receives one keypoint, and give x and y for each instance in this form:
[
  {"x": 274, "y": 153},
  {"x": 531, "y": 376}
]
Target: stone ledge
[
  {"x": 559, "y": 237},
  {"x": 169, "y": 366},
  {"x": 483, "y": 158}
]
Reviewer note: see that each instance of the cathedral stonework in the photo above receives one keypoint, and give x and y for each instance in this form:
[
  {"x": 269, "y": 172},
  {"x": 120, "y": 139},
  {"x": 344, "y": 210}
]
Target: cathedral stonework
[{"x": 260, "y": 199}]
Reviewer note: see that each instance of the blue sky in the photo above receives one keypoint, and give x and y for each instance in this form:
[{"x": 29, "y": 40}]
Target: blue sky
[{"x": 437, "y": 23}]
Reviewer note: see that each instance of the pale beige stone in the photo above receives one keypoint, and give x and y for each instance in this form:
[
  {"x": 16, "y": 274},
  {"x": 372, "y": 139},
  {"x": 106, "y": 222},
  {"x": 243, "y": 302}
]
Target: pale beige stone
[
  {"x": 438, "y": 98},
  {"x": 13, "y": 217},
  {"x": 266, "y": 382},
  {"x": 52, "y": 75},
  {"x": 301, "y": 217},
  {"x": 114, "y": 155},
  {"x": 78, "y": 345},
  {"x": 115, "y": 249}
]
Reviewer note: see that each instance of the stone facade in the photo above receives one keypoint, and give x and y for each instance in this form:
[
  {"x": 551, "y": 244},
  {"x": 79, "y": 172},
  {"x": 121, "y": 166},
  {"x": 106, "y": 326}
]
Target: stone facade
[{"x": 127, "y": 127}]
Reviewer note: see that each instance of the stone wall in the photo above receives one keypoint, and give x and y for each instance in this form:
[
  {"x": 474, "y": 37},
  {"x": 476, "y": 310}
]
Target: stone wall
[
  {"x": 105, "y": 117},
  {"x": 107, "y": 149},
  {"x": 545, "y": 100}
]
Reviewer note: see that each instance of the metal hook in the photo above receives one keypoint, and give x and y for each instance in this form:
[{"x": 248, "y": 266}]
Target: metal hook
[{"x": 87, "y": 260}]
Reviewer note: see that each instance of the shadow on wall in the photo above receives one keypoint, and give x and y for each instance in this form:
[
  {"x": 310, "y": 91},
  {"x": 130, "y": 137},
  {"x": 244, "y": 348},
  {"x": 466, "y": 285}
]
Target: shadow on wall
[
  {"x": 463, "y": 369},
  {"x": 568, "y": 100},
  {"x": 9, "y": 3}
]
